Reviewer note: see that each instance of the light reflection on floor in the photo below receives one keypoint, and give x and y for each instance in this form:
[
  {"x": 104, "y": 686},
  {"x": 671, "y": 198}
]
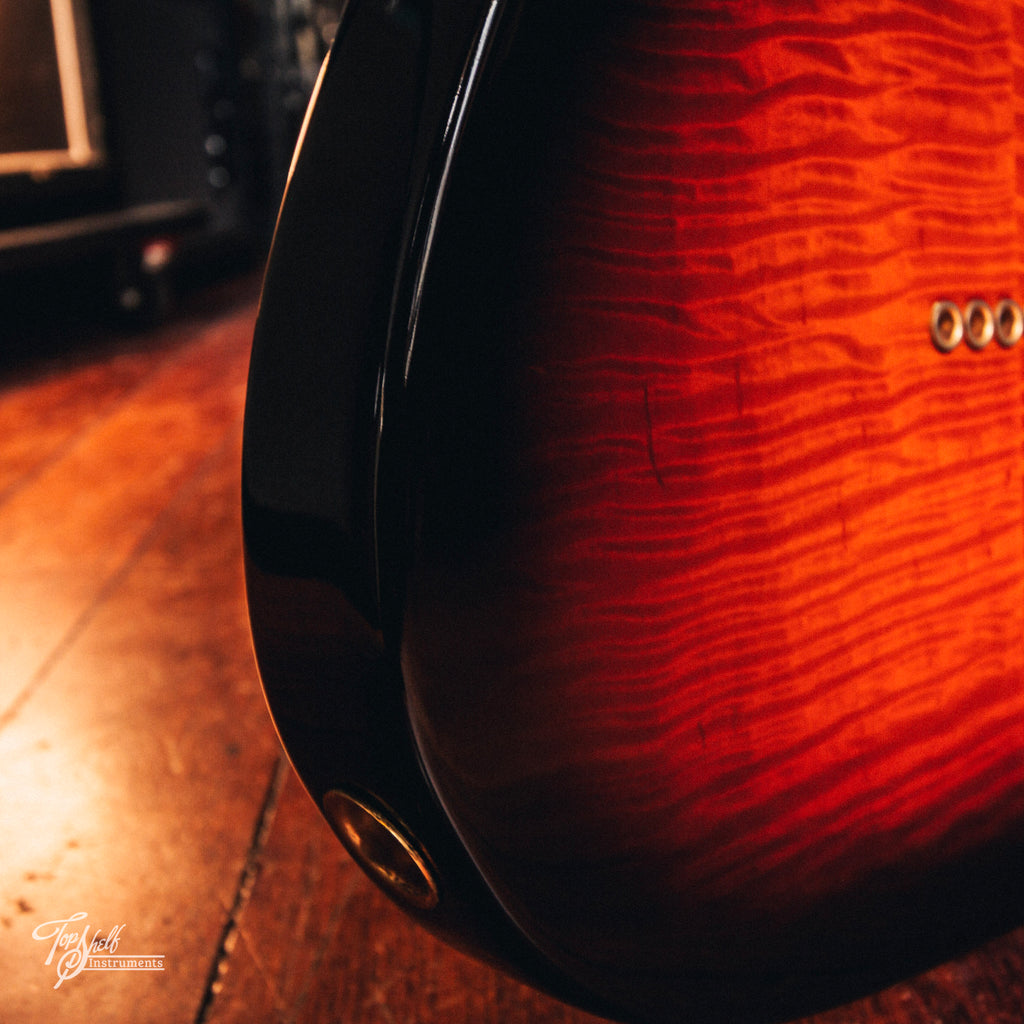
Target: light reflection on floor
[{"x": 135, "y": 748}]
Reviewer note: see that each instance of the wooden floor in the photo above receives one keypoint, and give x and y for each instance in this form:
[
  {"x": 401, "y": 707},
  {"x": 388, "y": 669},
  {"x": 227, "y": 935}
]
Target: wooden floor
[{"x": 143, "y": 784}]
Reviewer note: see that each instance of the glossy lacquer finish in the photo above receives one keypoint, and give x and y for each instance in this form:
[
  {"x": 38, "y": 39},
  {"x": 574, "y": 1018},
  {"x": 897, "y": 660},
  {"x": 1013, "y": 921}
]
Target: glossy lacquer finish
[
  {"x": 370, "y": 150},
  {"x": 701, "y": 568}
]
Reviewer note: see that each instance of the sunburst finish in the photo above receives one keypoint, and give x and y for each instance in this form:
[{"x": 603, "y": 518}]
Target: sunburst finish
[{"x": 704, "y": 564}]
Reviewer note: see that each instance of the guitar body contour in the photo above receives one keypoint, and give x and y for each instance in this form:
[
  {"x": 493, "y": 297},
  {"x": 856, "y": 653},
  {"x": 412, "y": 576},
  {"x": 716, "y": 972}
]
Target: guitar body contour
[{"x": 679, "y": 552}]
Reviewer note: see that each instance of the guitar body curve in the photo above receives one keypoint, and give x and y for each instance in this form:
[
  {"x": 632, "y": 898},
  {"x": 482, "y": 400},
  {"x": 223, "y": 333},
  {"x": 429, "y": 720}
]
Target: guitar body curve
[{"x": 689, "y": 549}]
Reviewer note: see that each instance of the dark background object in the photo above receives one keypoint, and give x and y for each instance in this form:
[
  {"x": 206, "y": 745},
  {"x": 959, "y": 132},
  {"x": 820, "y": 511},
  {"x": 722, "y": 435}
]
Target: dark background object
[{"x": 126, "y": 124}]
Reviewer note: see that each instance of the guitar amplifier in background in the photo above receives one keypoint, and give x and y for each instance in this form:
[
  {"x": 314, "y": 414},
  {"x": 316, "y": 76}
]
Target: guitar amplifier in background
[{"x": 139, "y": 140}]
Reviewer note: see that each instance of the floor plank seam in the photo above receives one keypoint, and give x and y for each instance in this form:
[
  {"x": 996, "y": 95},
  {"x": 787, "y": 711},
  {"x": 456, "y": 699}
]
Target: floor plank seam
[
  {"x": 243, "y": 891},
  {"x": 114, "y": 580},
  {"x": 356, "y": 882}
]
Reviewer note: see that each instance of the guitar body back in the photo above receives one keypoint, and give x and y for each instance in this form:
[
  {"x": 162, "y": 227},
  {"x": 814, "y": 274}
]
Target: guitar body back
[{"x": 696, "y": 486}]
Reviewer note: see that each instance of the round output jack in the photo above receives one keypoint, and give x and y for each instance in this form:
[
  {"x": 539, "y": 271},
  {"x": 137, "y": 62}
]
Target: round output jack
[{"x": 383, "y": 847}]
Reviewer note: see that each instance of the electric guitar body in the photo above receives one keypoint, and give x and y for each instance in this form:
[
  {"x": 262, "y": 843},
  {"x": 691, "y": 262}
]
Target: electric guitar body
[{"x": 633, "y": 487}]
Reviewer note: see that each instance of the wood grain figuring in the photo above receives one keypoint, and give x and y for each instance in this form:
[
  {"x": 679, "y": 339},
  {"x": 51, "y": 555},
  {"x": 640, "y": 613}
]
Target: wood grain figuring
[
  {"x": 750, "y": 645},
  {"x": 138, "y": 773}
]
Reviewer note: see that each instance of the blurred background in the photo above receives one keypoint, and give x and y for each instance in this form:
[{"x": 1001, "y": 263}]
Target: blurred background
[{"x": 145, "y": 145}]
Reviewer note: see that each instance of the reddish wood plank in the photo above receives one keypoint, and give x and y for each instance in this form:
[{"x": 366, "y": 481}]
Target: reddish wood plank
[
  {"x": 138, "y": 760},
  {"x": 58, "y": 380},
  {"x": 65, "y": 537}
]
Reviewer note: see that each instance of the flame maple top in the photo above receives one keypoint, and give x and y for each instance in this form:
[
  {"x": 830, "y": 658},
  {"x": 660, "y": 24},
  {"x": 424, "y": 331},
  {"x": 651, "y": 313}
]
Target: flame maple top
[{"x": 713, "y": 633}]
